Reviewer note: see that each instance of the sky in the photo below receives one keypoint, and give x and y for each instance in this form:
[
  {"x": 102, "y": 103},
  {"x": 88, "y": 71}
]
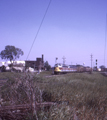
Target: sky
[{"x": 74, "y": 29}]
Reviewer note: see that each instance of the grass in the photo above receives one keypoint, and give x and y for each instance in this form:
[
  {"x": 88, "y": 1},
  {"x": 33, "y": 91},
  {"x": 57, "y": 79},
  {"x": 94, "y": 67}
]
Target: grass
[{"x": 86, "y": 94}]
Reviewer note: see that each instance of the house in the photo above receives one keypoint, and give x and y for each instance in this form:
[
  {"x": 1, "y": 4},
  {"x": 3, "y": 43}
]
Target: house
[{"x": 37, "y": 64}]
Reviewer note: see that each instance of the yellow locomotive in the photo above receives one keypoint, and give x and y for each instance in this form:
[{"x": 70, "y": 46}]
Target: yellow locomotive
[{"x": 60, "y": 68}]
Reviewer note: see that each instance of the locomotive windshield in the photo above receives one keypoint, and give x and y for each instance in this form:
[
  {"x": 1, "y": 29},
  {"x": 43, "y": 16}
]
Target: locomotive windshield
[{"x": 58, "y": 65}]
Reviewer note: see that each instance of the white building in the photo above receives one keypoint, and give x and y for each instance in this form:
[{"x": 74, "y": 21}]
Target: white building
[{"x": 18, "y": 65}]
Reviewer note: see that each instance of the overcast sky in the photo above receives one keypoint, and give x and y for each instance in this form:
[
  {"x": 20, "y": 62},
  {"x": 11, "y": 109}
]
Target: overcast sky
[{"x": 71, "y": 28}]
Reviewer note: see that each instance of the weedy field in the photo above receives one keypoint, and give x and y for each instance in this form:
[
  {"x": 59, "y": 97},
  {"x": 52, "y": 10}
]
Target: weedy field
[{"x": 77, "y": 96}]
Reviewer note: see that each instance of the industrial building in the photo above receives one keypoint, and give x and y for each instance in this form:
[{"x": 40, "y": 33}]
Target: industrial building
[{"x": 37, "y": 64}]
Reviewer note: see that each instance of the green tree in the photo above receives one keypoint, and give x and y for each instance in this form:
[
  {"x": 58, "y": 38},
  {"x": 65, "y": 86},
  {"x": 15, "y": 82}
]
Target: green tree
[
  {"x": 102, "y": 66},
  {"x": 47, "y": 66},
  {"x": 11, "y": 53}
]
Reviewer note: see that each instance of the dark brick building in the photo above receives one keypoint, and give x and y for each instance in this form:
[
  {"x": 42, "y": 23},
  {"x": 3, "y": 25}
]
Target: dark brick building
[{"x": 37, "y": 64}]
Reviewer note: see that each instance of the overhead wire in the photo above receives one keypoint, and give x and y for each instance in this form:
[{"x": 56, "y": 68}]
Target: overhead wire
[
  {"x": 39, "y": 29},
  {"x": 105, "y": 42}
]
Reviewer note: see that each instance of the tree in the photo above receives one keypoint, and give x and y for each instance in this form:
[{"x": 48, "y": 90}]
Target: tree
[
  {"x": 11, "y": 53},
  {"x": 47, "y": 66},
  {"x": 102, "y": 66}
]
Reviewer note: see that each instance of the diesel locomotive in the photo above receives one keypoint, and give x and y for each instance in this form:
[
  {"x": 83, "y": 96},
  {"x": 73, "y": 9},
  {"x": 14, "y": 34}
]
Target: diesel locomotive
[{"x": 62, "y": 68}]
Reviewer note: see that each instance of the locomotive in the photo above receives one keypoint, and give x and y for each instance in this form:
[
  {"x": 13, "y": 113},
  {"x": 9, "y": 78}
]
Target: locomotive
[{"x": 62, "y": 68}]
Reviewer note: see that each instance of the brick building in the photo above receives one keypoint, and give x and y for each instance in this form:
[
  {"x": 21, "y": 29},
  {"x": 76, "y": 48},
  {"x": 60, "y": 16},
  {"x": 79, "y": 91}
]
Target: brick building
[{"x": 37, "y": 64}]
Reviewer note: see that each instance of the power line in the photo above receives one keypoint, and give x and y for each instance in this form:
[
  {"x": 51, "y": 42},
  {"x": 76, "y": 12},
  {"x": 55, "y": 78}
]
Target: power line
[
  {"x": 105, "y": 41},
  {"x": 39, "y": 28}
]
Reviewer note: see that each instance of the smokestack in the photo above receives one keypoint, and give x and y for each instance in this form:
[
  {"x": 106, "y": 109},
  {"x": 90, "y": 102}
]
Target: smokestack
[{"x": 42, "y": 58}]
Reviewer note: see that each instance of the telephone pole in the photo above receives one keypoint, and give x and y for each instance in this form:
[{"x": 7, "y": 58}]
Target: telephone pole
[{"x": 91, "y": 61}]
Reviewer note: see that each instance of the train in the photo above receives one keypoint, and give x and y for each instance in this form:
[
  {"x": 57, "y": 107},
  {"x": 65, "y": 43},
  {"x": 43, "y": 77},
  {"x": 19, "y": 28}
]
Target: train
[{"x": 62, "y": 68}]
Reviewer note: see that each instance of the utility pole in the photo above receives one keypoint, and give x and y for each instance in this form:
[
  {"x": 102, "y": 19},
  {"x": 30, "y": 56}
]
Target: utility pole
[
  {"x": 63, "y": 60},
  {"x": 91, "y": 62}
]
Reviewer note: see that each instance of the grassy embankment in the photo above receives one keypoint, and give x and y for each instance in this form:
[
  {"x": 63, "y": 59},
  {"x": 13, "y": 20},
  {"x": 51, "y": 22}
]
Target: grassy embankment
[{"x": 82, "y": 95}]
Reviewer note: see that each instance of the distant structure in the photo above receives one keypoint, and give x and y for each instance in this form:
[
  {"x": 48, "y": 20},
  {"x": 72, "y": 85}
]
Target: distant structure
[
  {"x": 38, "y": 64},
  {"x": 15, "y": 63},
  {"x": 56, "y": 60},
  {"x": 63, "y": 60}
]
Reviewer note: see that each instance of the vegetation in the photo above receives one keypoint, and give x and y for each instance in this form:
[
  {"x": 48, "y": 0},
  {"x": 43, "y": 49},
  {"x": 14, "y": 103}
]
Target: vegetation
[
  {"x": 11, "y": 53},
  {"x": 102, "y": 67},
  {"x": 80, "y": 96},
  {"x": 47, "y": 66}
]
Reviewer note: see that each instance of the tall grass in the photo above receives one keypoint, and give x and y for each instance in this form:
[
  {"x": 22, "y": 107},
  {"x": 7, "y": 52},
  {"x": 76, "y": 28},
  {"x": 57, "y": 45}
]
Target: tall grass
[
  {"x": 86, "y": 93},
  {"x": 81, "y": 96}
]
